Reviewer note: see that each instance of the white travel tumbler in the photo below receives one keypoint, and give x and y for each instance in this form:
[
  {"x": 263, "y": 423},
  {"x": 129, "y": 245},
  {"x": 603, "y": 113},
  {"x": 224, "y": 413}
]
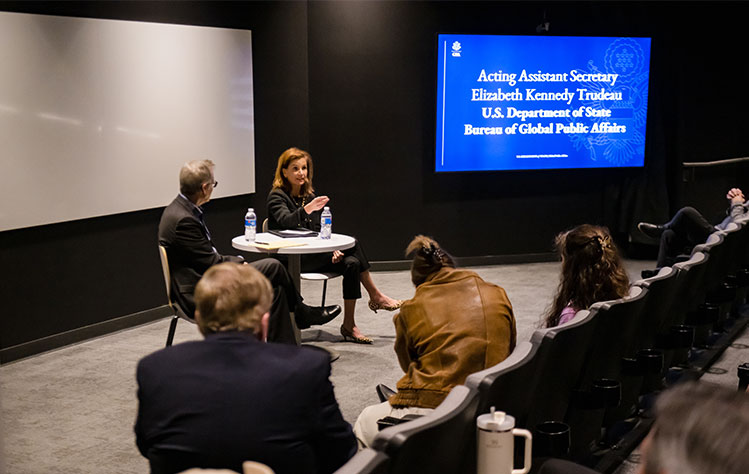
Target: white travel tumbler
[{"x": 496, "y": 442}]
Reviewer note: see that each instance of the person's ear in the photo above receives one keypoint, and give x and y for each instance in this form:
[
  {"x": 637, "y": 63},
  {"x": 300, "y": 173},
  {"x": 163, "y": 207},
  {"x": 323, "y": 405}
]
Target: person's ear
[{"x": 262, "y": 333}]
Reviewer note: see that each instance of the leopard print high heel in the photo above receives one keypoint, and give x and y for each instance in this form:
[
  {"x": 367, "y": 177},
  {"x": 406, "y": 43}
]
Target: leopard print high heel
[
  {"x": 348, "y": 336},
  {"x": 387, "y": 307}
]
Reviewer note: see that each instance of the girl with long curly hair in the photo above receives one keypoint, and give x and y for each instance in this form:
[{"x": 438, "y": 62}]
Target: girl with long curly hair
[{"x": 592, "y": 271}]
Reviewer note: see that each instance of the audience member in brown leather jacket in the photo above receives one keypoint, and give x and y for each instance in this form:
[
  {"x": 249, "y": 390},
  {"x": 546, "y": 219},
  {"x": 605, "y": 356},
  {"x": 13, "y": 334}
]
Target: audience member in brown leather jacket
[{"x": 456, "y": 324}]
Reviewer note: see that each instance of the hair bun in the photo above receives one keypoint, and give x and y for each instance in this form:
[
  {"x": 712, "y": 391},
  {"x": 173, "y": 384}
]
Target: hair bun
[
  {"x": 605, "y": 241},
  {"x": 598, "y": 245},
  {"x": 428, "y": 257}
]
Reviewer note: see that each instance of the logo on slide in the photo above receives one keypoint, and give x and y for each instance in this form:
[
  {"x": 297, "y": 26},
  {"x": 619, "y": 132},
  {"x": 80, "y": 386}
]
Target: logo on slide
[
  {"x": 624, "y": 57},
  {"x": 456, "y": 49}
]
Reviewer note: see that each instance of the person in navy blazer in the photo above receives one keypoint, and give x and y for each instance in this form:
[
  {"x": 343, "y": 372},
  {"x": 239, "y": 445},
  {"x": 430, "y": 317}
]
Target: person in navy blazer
[
  {"x": 190, "y": 251},
  {"x": 231, "y": 398}
]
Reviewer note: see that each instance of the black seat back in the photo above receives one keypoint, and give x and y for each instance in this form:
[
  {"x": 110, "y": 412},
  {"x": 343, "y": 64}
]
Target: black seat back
[
  {"x": 616, "y": 328},
  {"x": 715, "y": 270},
  {"x": 506, "y": 385},
  {"x": 561, "y": 353},
  {"x": 691, "y": 290},
  {"x": 657, "y": 316},
  {"x": 436, "y": 442},
  {"x": 734, "y": 236}
]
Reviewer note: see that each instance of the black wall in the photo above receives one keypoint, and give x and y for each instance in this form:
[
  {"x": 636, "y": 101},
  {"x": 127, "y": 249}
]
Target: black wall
[
  {"x": 372, "y": 93},
  {"x": 353, "y": 82}
]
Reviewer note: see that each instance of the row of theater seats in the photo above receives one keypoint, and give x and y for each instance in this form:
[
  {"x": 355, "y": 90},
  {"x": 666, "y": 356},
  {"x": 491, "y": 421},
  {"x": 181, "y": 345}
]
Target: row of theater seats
[{"x": 596, "y": 373}]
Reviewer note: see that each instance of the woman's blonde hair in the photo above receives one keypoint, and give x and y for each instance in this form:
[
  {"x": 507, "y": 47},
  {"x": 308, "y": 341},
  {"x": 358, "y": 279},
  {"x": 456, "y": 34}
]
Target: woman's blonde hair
[
  {"x": 592, "y": 270},
  {"x": 428, "y": 257},
  {"x": 292, "y": 154}
]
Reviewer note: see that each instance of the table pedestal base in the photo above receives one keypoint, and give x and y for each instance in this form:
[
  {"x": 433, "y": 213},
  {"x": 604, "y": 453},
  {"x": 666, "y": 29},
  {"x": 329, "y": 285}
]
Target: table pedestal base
[{"x": 295, "y": 270}]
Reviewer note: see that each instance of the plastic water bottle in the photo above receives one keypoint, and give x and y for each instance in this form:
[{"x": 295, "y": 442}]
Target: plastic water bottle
[
  {"x": 250, "y": 225},
  {"x": 326, "y": 223}
]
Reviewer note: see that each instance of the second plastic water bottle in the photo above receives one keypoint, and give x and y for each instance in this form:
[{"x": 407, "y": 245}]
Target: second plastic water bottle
[
  {"x": 250, "y": 225},
  {"x": 326, "y": 223}
]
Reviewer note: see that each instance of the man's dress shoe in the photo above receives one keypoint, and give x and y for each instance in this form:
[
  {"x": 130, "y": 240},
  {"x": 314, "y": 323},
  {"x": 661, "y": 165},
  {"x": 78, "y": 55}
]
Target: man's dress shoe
[
  {"x": 307, "y": 316},
  {"x": 651, "y": 230}
]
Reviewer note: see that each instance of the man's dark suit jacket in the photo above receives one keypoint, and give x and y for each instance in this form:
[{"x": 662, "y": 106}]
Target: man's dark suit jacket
[
  {"x": 189, "y": 250},
  {"x": 231, "y": 398}
]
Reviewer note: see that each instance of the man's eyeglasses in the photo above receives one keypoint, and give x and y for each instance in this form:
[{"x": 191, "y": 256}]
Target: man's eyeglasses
[{"x": 215, "y": 183}]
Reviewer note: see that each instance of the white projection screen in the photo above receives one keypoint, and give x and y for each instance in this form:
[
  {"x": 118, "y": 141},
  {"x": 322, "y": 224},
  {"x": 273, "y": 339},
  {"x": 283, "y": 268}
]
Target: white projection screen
[{"x": 98, "y": 116}]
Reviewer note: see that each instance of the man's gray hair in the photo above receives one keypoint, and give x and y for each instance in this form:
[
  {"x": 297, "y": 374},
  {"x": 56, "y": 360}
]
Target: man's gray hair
[
  {"x": 700, "y": 429},
  {"x": 193, "y": 175}
]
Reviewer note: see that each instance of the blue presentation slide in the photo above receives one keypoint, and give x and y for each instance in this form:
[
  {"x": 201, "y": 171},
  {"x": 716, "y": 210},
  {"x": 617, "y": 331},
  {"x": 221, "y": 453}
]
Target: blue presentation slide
[{"x": 541, "y": 102}]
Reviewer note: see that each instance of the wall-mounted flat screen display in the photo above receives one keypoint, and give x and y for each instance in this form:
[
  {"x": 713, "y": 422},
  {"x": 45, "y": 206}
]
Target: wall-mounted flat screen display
[{"x": 540, "y": 102}]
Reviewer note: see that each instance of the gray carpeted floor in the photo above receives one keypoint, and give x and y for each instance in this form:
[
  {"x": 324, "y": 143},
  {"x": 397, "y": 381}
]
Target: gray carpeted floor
[{"x": 72, "y": 410}]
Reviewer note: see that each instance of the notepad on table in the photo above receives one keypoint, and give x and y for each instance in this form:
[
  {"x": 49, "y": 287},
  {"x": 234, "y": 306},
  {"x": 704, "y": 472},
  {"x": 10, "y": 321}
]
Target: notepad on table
[
  {"x": 287, "y": 233},
  {"x": 277, "y": 244}
]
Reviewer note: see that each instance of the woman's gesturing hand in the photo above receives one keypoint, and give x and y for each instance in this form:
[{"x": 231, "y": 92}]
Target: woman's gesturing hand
[{"x": 316, "y": 204}]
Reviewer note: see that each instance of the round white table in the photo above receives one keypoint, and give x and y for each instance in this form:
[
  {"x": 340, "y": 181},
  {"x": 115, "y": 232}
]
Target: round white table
[
  {"x": 264, "y": 242},
  {"x": 305, "y": 245}
]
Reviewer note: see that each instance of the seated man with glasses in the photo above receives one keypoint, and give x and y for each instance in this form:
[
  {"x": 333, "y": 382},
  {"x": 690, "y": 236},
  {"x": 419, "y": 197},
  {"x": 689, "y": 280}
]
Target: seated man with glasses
[{"x": 190, "y": 251}]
